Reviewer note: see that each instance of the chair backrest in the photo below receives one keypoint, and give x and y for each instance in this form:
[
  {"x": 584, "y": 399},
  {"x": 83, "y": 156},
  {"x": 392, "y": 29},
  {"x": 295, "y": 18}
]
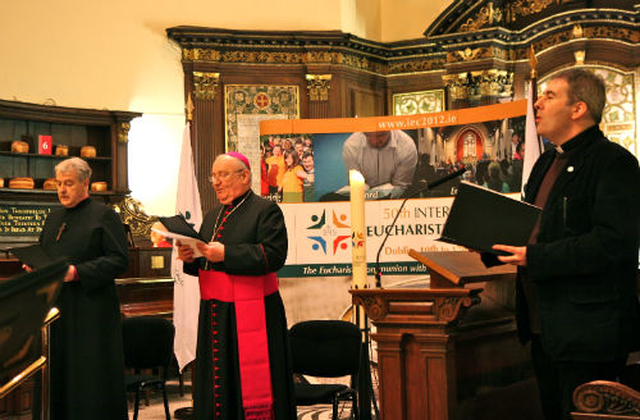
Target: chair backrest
[
  {"x": 325, "y": 348},
  {"x": 148, "y": 342}
]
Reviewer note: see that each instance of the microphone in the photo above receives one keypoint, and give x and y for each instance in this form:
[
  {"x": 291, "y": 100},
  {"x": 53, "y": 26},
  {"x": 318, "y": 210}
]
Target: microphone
[{"x": 429, "y": 186}]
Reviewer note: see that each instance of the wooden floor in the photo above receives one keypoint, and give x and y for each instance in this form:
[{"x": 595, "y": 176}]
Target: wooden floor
[{"x": 155, "y": 409}]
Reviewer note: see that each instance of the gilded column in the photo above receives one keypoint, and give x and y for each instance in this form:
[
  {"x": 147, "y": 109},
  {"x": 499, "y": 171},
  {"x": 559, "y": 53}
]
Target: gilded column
[
  {"x": 205, "y": 85},
  {"x": 457, "y": 86},
  {"x": 491, "y": 85}
]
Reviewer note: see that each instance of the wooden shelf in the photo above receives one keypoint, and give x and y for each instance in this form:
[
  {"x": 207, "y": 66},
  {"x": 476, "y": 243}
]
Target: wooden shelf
[
  {"x": 55, "y": 157},
  {"x": 107, "y": 131},
  {"x": 38, "y": 191}
]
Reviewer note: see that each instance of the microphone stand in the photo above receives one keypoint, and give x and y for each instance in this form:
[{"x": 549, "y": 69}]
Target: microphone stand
[{"x": 431, "y": 185}]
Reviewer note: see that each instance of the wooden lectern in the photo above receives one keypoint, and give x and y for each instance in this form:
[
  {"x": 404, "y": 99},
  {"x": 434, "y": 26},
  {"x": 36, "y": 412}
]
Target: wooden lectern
[{"x": 450, "y": 351}]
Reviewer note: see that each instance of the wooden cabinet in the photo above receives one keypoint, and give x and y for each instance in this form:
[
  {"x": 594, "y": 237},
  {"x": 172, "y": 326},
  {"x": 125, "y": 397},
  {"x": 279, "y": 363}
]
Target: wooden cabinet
[
  {"x": 106, "y": 131},
  {"x": 22, "y": 211}
]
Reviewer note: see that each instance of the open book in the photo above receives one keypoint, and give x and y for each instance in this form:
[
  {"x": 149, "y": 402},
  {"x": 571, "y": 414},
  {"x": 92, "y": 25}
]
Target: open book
[
  {"x": 480, "y": 217},
  {"x": 179, "y": 229}
]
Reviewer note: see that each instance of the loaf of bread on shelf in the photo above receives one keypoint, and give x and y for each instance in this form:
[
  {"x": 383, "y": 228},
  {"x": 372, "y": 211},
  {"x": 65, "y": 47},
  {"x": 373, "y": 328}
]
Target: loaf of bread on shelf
[
  {"x": 1, "y": 182},
  {"x": 24, "y": 183},
  {"x": 88, "y": 152},
  {"x": 99, "y": 186},
  {"x": 62, "y": 150},
  {"x": 19, "y": 146},
  {"x": 49, "y": 184}
]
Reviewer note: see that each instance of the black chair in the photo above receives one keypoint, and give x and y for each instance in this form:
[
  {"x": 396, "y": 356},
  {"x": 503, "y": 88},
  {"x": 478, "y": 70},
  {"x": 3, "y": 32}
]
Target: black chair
[
  {"x": 148, "y": 345},
  {"x": 326, "y": 349}
]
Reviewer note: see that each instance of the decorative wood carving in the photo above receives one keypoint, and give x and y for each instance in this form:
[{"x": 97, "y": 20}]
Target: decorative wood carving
[
  {"x": 607, "y": 398},
  {"x": 318, "y": 86},
  {"x": 123, "y": 132},
  {"x": 479, "y": 84},
  {"x": 455, "y": 41},
  {"x": 443, "y": 307},
  {"x": 205, "y": 84},
  {"x": 577, "y": 31},
  {"x": 133, "y": 215},
  {"x": 523, "y": 8},
  {"x": 486, "y": 17},
  {"x": 457, "y": 85},
  {"x": 469, "y": 16},
  {"x": 493, "y": 82}
]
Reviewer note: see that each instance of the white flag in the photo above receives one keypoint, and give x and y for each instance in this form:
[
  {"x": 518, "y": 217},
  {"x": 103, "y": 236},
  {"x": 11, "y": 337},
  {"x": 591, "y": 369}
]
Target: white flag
[
  {"x": 532, "y": 146},
  {"x": 186, "y": 292}
]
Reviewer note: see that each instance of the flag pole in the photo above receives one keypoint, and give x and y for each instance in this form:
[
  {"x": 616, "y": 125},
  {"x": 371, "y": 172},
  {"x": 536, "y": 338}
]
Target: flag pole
[
  {"x": 533, "y": 63},
  {"x": 532, "y": 144},
  {"x": 185, "y": 203}
]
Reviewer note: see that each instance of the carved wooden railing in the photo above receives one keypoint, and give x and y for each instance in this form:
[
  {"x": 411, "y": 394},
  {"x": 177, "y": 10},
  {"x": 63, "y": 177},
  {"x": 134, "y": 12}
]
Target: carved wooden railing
[{"x": 604, "y": 400}]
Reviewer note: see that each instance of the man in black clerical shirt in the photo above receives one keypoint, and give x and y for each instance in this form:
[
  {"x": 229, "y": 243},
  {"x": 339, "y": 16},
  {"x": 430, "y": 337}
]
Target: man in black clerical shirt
[
  {"x": 87, "y": 361},
  {"x": 576, "y": 288}
]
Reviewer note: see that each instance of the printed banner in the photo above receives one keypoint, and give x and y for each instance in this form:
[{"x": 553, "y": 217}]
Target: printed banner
[
  {"x": 320, "y": 236},
  {"x": 305, "y": 164}
]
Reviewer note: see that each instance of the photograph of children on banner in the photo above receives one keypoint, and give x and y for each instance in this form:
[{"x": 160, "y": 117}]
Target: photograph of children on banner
[
  {"x": 395, "y": 164},
  {"x": 287, "y": 168}
]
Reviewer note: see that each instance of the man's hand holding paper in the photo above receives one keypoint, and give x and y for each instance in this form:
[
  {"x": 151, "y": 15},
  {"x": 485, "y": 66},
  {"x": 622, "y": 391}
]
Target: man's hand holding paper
[
  {"x": 186, "y": 238},
  {"x": 213, "y": 251},
  {"x": 188, "y": 249}
]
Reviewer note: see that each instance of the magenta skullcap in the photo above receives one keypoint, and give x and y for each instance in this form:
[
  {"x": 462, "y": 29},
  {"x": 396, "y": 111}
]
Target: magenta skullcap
[{"x": 242, "y": 158}]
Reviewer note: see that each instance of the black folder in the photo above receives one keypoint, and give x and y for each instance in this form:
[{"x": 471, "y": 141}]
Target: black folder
[
  {"x": 25, "y": 301},
  {"x": 480, "y": 217},
  {"x": 32, "y": 255},
  {"x": 177, "y": 224}
]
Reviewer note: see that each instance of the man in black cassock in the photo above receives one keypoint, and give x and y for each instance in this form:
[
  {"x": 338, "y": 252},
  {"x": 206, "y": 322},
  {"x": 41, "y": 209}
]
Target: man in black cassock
[
  {"x": 87, "y": 361},
  {"x": 243, "y": 362}
]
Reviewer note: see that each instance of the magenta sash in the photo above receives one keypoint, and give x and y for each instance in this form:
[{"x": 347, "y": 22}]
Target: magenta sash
[{"x": 247, "y": 293}]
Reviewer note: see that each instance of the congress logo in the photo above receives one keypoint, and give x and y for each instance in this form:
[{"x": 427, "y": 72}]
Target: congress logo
[{"x": 329, "y": 236}]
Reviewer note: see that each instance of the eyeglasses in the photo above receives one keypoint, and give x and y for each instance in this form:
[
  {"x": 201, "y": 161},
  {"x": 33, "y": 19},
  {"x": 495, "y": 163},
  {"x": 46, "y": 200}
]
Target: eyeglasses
[{"x": 223, "y": 176}]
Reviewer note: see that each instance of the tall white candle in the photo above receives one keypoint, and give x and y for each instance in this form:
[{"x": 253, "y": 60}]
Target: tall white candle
[{"x": 358, "y": 234}]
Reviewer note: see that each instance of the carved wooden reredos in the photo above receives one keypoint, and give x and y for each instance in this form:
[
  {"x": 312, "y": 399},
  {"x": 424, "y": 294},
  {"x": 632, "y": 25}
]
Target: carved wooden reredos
[{"x": 476, "y": 50}]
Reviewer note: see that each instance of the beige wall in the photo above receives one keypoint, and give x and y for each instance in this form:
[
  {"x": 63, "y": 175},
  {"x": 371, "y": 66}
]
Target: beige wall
[
  {"x": 408, "y": 19},
  {"x": 362, "y": 18},
  {"x": 114, "y": 54}
]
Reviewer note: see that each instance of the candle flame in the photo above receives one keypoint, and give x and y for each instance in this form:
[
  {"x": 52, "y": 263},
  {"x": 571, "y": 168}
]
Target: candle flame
[{"x": 355, "y": 177}]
